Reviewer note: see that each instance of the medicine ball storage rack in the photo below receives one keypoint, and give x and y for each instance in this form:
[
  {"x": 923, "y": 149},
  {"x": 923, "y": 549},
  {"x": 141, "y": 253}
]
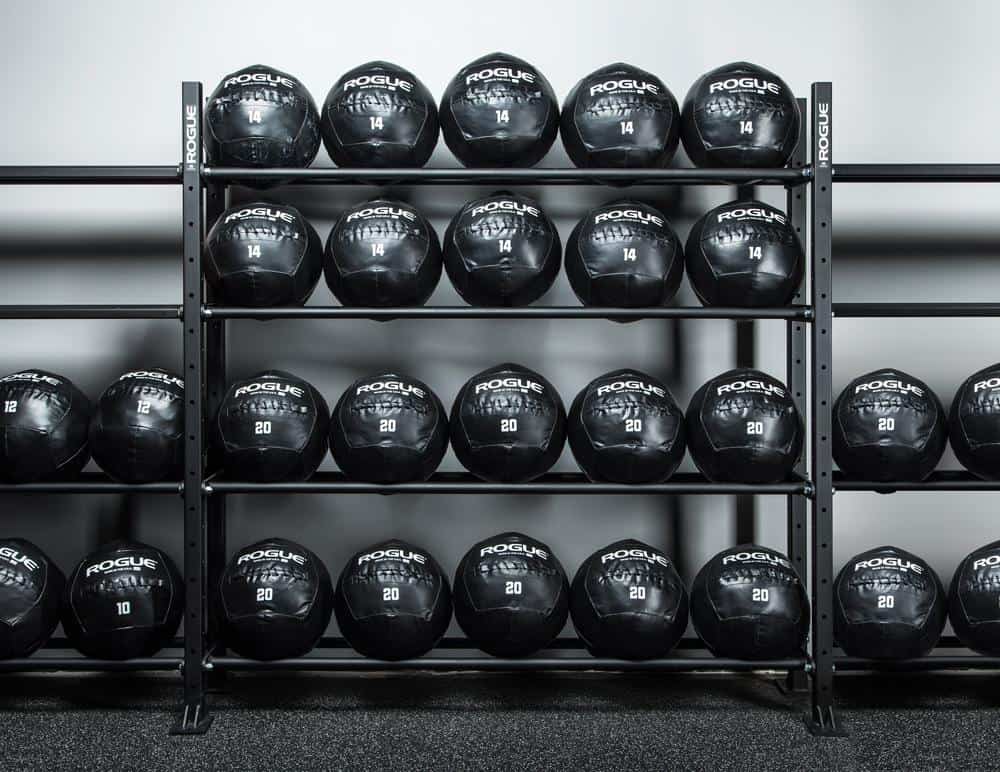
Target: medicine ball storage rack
[{"x": 204, "y": 351}]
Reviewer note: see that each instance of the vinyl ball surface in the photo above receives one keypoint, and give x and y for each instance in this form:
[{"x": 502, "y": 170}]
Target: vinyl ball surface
[
  {"x": 379, "y": 115},
  {"x": 393, "y": 601},
  {"x": 625, "y": 427},
  {"x": 271, "y": 427},
  {"x": 740, "y": 114},
  {"x": 261, "y": 117},
  {"x": 624, "y": 255},
  {"x": 502, "y": 250},
  {"x": 499, "y": 111},
  {"x": 743, "y": 426},
  {"x": 263, "y": 255},
  {"x": 511, "y": 595},
  {"x": 389, "y": 428},
  {"x": 744, "y": 254},
  {"x": 620, "y": 116},
  {"x": 888, "y": 604},
  {"x": 888, "y": 426},
  {"x": 137, "y": 430},
  {"x": 274, "y": 600},
  {"x": 628, "y": 602},
  {"x": 508, "y": 424},
  {"x": 124, "y": 600},
  {"x": 44, "y": 427},
  {"x": 382, "y": 254},
  {"x": 748, "y": 602}
]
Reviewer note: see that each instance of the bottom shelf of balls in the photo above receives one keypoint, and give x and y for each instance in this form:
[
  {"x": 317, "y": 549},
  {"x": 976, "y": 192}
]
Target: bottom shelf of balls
[
  {"x": 890, "y": 610},
  {"x": 511, "y": 598}
]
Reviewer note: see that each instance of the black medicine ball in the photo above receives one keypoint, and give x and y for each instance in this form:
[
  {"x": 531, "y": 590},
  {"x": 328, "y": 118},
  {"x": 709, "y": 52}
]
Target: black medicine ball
[
  {"x": 889, "y": 605},
  {"x": 624, "y": 255},
  {"x": 740, "y": 115},
  {"x": 137, "y": 431},
  {"x": 379, "y": 115},
  {"x": 44, "y": 424},
  {"x": 974, "y": 425},
  {"x": 275, "y": 600},
  {"x": 742, "y": 426},
  {"x": 393, "y": 601},
  {"x": 628, "y": 602},
  {"x": 888, "y": 426},
  {"x": 974, "y": 600},
  {"x": 263, "y": 255},
  {"x": 625, "y": 427},
  {"x": 621, "y": 117},
  {"x": 272, "y": 427},
  {"x": 748, "y": 602},
  {"x": 502, "y": 250},
  {"x": 382, "y": 254},
  {"x": 508, "y": 424},
  {"x": 388, "y": 428},
  {"x": 31, "y": 595},
  {"x": 511, "y": 595},
  {"x": 261, "y": 117},
  {"x": 744, "y": 253},
  {"x": 499, "y": 111},
  {"x": 124, "y": 600}
]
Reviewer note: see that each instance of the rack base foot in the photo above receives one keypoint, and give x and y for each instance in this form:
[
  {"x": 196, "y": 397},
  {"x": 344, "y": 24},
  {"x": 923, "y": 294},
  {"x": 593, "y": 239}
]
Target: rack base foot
[
  {"x": 194, "y": 720},
  {"x": 823, "y": 722}
]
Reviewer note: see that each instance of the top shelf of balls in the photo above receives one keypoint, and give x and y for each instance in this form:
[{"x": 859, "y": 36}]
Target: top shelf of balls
[{"x": 740, "y": 123}]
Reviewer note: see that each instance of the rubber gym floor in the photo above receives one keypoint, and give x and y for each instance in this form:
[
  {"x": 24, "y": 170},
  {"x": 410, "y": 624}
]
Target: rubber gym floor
[{"x": 498, "y": 722}]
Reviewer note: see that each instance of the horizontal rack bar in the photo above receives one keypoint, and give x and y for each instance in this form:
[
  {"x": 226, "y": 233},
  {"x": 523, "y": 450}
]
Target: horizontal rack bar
[
  {"x": 915, "y": 310},
  {"x": 930, "y": 662},
  {"x": 533, "y": 176},
  {"x": 938, "y": 481},
  {"x": 90, "y": 175},
  {"x": 529, "y": 312},
  {"x": 90, "y": 312},
  {"x": 40, "y": 663},
  {"x": 916, "y": 173},
  {"x": 90, "y": 482},
  {"x": 463, "y": 482},
  {"x": 668, "y": 664}
]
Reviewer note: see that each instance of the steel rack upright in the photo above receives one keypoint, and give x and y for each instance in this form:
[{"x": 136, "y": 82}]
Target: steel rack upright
[{"x": 333, "y": 653}]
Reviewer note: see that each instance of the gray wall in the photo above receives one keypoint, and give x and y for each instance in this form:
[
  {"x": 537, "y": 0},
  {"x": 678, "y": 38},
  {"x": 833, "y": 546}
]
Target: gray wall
[{"x": 100, "y": 83}]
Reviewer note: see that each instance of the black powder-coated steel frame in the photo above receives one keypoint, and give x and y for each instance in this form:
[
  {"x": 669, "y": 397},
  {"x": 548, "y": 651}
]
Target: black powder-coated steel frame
[
  {"x": 796, "y": 317},
  {"x": 204, "y": 329}
]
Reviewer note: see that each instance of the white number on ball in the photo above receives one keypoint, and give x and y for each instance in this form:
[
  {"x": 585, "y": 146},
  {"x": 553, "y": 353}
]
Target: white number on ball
[
  {"x": 630, "y": 255},
  {"x": 503, "y": 116},
  {"x": 512, "y": 588},
  {"x": 262, "y": 427},
  {"x": 124, "y": 608},
  {"x": 755, "y": 427},
  {"x": 760, "y": 595},
  {"x": 376, "y": 123},
  {"x": 633, "y": 424},
  {"x": 887, "y": 601},
  {"x": 265, "y": 593},
  {"x": 637, "y": 593},
  {"x": 387, "y": 425},
  {"x": 508, "y": 424},
  {"x": 886, "y": 424},
  {"x": 390, "y": 593}
]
